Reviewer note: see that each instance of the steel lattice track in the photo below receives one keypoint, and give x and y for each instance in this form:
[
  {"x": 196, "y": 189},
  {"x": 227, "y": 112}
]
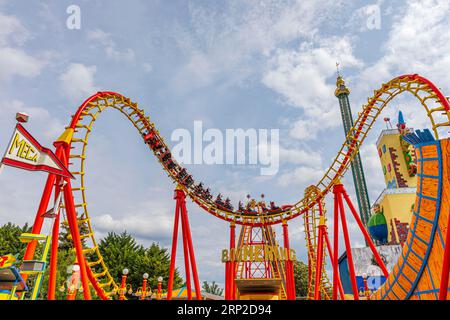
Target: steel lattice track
[{"x": 434, "y": 103}]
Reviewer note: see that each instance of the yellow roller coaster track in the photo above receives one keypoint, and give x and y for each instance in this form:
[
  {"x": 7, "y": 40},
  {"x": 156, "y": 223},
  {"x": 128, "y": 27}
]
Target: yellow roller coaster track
[
  {"x": 311, "y": 220},
  {"x": 434, "y": 103}
]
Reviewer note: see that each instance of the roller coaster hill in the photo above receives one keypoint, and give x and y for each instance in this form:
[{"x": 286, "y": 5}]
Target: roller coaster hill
[{"x": 257, "y": 265}]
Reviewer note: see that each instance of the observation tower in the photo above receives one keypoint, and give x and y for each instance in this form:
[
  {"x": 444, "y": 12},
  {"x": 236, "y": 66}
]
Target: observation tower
[{"x": 342, "y": 92}]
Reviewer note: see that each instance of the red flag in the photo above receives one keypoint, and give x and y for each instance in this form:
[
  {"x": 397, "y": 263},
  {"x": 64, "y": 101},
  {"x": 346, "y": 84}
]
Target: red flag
[{"x": 26, "y": 153}]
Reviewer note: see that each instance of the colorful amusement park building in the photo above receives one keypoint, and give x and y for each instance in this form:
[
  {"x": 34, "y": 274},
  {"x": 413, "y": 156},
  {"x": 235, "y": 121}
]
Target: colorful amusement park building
[{"x": 389, "y": 223}]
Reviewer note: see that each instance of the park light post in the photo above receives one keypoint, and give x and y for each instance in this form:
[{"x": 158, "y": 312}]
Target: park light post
[
  {"x": 144, "y": 286},
  {"x": 123, "y": 285},
  {"x": 160, "y": 280}
]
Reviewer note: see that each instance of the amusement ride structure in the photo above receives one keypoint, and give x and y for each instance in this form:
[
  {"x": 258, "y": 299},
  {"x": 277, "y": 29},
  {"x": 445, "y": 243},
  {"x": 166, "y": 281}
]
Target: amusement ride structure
[{"x": 421, "y": 272}]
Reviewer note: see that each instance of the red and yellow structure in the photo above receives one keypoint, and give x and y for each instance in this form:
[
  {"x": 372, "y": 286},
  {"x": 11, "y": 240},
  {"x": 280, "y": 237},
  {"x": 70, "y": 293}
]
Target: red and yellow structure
[{"x": 426, "y": 251}]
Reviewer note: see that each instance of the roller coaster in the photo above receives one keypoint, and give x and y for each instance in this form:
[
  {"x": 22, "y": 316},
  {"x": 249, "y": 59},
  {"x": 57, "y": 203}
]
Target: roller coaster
[{"x": 424, "y": 258}]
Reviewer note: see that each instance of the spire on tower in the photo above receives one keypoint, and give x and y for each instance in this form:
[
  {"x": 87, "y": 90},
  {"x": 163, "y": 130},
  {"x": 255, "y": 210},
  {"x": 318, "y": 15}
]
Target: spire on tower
[{"x": 341, "y": 87}]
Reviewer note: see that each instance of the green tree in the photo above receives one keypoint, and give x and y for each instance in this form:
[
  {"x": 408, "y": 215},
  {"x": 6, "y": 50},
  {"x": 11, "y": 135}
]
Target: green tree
[
  {"x": 118, "y": 251},
  {"x": 212, "y": 288},
  {"x": 301, "y": 278},
  {"x": 122, "y": 251},
  {"x": 9, "y": 239},
  {"x": 65, "y": 238}
]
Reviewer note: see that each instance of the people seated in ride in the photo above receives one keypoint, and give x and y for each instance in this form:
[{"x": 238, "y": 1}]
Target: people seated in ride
[
  {"x": 219, "y": 200},
  {"x": 262, "y": 204},
  {"x": 228, "y": 204},
  {"x": 273, "y": 206},
  {"x": 149, "y": 136},
  {"x": 166, "y": 156},
  {"x": 182, "y": 173},
  {"x": 189, "y": 181},
  {"x": 207, "y": 195},
  {"x": 171, "y": 165},
  {"x": 198, "y": 189},
  {"x": 156, "y": 145},
  {"x": 252, "y": 206},
  {"x": 241, "y": 206}
]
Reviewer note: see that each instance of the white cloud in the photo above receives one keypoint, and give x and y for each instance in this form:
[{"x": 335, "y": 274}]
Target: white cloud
[
  {"x": 77, "y": 81},
  {"x": 147, "y": 67},
  {"x": 302, "y": 78},
  {"x": 231, "y": 43},
  {"x": 41, "y": 121},
  {"x": 418, "y": 42},
  {"x": 110, "y": 46},
  {"x": 149, "y": 219},
  {"x": 300, "y": 156},
  {"x": 15, "y": 61},
  {"x": 301, "y": 176},
  {"x": 12, "y": 30}
]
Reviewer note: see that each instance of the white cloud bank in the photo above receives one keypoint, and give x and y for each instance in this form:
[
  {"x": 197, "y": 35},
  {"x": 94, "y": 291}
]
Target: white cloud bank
[{"x": 77, "y": 82}]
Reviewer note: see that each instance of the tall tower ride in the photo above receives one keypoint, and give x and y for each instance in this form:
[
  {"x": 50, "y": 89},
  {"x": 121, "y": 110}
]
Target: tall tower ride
[{"x": 342, "y": 93}]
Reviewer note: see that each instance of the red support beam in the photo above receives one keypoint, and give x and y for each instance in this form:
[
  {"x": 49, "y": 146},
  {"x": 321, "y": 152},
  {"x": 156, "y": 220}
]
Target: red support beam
[
  {"x": 348, "y": 248},
  {"x": 290, "y": 286},
  {"x": 319, "y": 254},
  {"x": 54, "y": 248},
  {"x": 190, "y": 247},
  {"x": 174, "y": 248},
  {"x": 73, "y": 225},
  {"x": 75, "y": 232},
  {"x": 443, "y": 287},
  {"x": 365, "y": 233},
  {"x": 232, "y": 266},
  {"x": 227, "y": 280},
  {"x": 43, "y": 205},
  {"x": 331, "y": 255},
  {"x": 186, "y": 259},
  {"x": 335, "y": 264}
]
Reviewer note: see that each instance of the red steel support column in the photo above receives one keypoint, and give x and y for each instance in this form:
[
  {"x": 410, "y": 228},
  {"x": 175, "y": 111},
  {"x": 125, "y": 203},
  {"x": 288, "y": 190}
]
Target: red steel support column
[
  {"x": 348, "y": 248},
  {"x": 232, "y": 267},
  {"x": 336, "y": 244},
  {"x": 54, "y": 248},
  {"x": 366, "y": 234},
  {"x": 330, "y": 253},
  {"x": 186, "y": 254},
  {"x": 73, "y": 224},
  {"x": 290, "y": 284},
  {"x": 43, "y": 205},
  {"x": 190, "y": 247},
  {"x": 319, "y": 255},
  {"x": 100, "y": 292},
  {"x": 174, "y": 248},
  {"x": 443, "y": 288},
  {"x": 227, "y": 279}
]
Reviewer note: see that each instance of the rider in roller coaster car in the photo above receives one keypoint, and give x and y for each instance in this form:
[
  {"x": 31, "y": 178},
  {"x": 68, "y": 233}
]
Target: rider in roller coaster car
[
  {"x": 207, "y": 194},
  {"x": 273, "y": 207},
  {"x": 182, "y": 174},
  {"x": 166, "y": 155},
  {"x": 262, "y": 204},
  {"x": 198, "y": 190},
  {"x": 189, "y": 181},
  {"x": 219, "y": 200},
  {"x": 171, "y": 165},
  {"x": 228, "y": 204},
  {"x": 241, "y": 206},
  {"x": 251, "y": 206}
]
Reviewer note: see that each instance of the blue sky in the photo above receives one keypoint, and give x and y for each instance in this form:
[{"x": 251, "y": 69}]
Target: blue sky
[{"x": 231, "y": 64}]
